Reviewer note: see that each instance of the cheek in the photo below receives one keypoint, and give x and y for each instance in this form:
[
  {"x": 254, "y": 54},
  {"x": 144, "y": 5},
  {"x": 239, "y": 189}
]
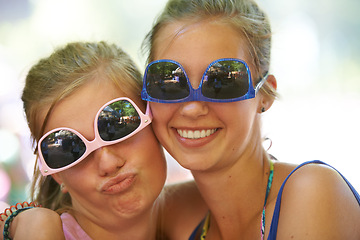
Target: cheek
[
  {"x": 148, "y": 153},
  {"x": 242, "y": 126},
  {"x": 82, "y": 174},
  {"x": 78, "y": 183},
  {"x": 162, "y": 110},
  {"x": 238, "y": 117},
  {"x": 162, "y": 114},
  {"x": 151, "y": 163}
]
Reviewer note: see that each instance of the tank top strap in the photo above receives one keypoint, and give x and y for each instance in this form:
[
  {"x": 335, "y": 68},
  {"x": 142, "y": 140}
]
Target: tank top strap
[
  {"x": 275, "y": 219},
  {"x": 198, "y": 233}
]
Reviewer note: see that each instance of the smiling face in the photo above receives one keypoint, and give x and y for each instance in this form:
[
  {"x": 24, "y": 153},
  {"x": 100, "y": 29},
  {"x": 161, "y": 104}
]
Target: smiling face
[
  {"x": 201, "y": 135},
  {"x": 117, "y": 181}
]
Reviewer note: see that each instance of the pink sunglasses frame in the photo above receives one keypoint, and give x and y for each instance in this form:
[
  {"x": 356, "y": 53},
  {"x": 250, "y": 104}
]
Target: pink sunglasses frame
[{"x": 97, "y": 142}]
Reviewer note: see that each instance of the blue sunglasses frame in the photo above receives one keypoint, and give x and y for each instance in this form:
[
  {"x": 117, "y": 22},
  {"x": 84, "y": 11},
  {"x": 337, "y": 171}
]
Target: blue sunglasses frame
[{"x": 196, "y": 94}]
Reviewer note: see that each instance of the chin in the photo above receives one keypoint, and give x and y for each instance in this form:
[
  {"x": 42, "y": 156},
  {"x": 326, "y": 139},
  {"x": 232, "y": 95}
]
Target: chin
[
  {"x": 130, "y": 207},
  {"x": 195, "y": 163}
]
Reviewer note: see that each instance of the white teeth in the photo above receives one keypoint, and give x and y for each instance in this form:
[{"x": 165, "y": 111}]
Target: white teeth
[
  {"x": 190, "y": 134},
  {"x": 195, "y": 134}
]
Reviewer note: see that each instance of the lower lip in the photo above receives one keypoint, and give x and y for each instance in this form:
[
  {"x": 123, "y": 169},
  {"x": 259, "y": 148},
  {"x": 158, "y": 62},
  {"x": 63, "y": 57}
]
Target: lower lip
[
  {"x": 121, "y": 186},
  {"x": 199, "y": 142}
]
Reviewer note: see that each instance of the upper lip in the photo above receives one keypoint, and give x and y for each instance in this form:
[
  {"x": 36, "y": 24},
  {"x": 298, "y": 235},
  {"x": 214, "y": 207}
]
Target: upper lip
[{"x": 115, "y": 180}]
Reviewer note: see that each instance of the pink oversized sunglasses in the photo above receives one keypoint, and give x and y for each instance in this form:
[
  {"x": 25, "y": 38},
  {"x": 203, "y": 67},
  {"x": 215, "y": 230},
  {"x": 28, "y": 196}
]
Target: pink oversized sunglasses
[{"x": 116, "y": 121}]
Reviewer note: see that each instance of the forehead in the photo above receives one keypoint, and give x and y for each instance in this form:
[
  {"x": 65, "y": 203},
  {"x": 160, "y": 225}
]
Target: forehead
[
  {"x": 78, "y": 110},
  {"x": 212, "y": 39}
]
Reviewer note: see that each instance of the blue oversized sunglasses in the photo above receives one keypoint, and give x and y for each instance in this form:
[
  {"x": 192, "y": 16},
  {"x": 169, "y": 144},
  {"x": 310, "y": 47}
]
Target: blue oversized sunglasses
[{"x": 224, "y": 80}]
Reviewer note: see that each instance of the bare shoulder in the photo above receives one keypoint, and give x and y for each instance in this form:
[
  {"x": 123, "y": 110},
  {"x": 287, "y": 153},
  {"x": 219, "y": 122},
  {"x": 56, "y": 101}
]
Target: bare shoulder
[
  {"x": 37, "y": 223},
  {"x": 183, "y": 209},
  {"x": 318, "y": 204}
]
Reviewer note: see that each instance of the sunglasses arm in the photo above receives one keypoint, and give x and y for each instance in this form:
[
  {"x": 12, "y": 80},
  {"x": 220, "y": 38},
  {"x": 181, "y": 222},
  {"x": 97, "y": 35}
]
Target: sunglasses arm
[
  {"x": 148, "y": 110},
  {"x": 261, "y": 83}
]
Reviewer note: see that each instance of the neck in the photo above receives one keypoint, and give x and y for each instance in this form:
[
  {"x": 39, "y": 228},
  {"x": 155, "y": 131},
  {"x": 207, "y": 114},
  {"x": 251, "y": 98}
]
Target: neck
[
  {"x": 140, "y": 227},
  {"x": 235, "y": 196}
]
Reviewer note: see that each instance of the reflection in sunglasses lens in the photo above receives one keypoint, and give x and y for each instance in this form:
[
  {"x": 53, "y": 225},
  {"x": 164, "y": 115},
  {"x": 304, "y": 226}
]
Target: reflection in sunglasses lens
[
  {"x": 62, "y": 148},
  {"x": 166, "y": 80},
  {"x": 225, "y": 80},
  {"x": 118, "y": 120}
]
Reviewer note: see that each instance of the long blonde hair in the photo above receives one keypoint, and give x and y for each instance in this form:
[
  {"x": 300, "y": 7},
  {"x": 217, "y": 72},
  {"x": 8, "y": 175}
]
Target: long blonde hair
[{"x": 56, "y": 77}]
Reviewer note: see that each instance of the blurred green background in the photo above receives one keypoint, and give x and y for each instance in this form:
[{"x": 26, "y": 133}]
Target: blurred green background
[{"x": 315, "y": 58}]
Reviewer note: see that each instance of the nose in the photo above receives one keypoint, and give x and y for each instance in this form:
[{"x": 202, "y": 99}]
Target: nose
[
  {"x": 109, "y": 162},
  {"x": 194, "y": 109}
]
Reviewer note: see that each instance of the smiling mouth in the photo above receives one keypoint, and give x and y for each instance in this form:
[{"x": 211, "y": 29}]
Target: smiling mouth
[{"x": 196, "y": 134}]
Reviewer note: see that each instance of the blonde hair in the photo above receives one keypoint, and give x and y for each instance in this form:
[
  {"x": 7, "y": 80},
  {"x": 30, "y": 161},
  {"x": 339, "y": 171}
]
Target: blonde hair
[
  {"x": 55, "y": 78},
  {"x": 244, "y": 16}
]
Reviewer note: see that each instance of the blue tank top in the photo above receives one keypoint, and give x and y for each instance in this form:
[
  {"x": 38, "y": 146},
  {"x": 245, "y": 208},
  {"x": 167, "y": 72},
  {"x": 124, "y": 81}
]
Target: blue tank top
[{"x": 275, "y": 219}]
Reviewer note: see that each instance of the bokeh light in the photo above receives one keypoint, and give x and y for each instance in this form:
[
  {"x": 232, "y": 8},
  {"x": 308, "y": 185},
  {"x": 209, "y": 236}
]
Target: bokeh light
[
  {"x": 5, "y": 185},
  {"x": 9, "y": 147}
]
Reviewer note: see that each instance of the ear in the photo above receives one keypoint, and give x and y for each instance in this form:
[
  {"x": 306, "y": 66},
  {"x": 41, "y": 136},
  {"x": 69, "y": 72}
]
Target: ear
[
  {"x": 59, "y": 180},
  {"x": 272, "y": 81},
  {"x": 267, "y": 100}
]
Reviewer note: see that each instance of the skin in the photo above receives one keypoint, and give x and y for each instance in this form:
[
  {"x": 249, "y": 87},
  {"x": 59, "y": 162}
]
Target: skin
[
  {"x": 129, "y": 210},
  {"x": 229, "y": 165},
  {"x": 36, "y": 229}
]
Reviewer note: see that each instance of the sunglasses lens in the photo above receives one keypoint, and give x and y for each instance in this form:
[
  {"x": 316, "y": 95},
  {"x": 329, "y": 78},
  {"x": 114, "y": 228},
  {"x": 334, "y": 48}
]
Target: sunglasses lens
[
  {"x": 225, "y": 80},
  {"x": 118, "y": 120},
  {"x": 62, "y": 148},
  {"x": 166, "y": 81}
]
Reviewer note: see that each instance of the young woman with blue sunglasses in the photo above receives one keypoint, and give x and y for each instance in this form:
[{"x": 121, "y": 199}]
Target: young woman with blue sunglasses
[
  {"x": 99, "y": 164},
  {"x": 207, "y": 83}
]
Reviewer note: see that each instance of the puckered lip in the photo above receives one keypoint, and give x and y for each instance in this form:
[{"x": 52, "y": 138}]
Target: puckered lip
[{"x": 118, "y": 184}]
